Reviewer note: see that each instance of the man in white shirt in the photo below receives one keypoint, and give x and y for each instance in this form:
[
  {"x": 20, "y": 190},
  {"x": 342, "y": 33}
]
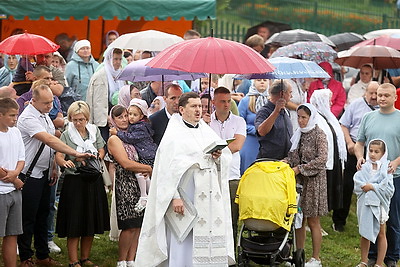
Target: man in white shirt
[
  {"x": 227, "y": 125},
  {"x": 36, "y": 128}
]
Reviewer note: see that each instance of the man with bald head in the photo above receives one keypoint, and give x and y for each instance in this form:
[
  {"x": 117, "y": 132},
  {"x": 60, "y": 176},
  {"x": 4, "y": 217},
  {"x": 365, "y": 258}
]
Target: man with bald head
[
  {"x": 8, "y": 92},
  {"x": 350, "y": 122},
  {"x": 385, "y": 124}
]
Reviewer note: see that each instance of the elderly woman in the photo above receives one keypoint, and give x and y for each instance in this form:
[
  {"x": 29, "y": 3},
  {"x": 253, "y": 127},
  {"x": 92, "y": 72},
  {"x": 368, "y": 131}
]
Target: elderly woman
[
  {"x": 248, "y": 107},
  {"x": 8, "y": 70},
  {"x": 337, "y": 153},
  {"x": 127, "y": 192},
  {"x": 307, "y": 156},
  {"x": 83, "y": 208},
  {"x": 81, "y": 68}
]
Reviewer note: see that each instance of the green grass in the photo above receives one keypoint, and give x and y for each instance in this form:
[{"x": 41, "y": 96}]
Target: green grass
[{"x": 338, "y": 249}]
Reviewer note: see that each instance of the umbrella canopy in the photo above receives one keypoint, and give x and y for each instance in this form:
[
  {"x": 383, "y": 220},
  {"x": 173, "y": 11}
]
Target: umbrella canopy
[
  {"x": 381, "y": 57},
  {"x": 287, "y": 68},
  {"x": 272, "y": 26},
  {"x": 297, "y": 35},
  {"x": 27, "y": 44},
  {"x": 211, "y": 55},
  {"x": 345, "y": 40},
  {"x": 150, "y": 40},
  {"x": 384, "y": 40},
  {"x": 312, "y": 51},
  {"x": 137, "y": 71},
  {"x": 377, "y": 33}
]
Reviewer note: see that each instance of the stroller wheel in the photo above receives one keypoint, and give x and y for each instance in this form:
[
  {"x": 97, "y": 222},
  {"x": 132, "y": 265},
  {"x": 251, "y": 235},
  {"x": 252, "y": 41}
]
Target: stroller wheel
[{"x": 299, "y": 258}]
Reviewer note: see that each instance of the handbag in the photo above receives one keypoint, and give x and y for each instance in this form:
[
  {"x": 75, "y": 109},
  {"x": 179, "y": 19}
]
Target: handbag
[{"x": 92, "y": 169}]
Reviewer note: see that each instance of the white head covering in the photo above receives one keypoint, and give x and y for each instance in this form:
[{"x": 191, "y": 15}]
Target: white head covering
[
  {"x": 81, "y": 43},
  {"x": 113, "y": 85},
  {"x": 321, "y": 99},
  {"x": 262, "y": 98},
  {"x": 383, "y": 163},
  {"x": 310, "y": 125},
  {"x": 76, "y": 138},
  {"x": 141, "y": 104}
]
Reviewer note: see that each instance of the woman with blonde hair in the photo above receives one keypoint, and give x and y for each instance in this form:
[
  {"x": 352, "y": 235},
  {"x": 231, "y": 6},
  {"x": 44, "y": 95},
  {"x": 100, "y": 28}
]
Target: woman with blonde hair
[{"x": 83, "y": 208}]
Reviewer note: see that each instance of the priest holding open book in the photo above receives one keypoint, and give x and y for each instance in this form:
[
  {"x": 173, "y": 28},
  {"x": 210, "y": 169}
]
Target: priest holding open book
[{"x": 187, "y": 221}]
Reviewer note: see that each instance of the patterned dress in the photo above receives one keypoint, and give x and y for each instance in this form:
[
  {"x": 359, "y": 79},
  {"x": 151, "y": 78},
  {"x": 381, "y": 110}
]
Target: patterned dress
[
  {"x": 311, "y": 156},
  {"x": 127, "y": 194}
]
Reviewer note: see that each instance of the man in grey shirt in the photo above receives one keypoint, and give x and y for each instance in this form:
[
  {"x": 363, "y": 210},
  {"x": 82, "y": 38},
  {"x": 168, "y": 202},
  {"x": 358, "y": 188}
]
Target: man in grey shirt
[{"x": 36, "y": 128}]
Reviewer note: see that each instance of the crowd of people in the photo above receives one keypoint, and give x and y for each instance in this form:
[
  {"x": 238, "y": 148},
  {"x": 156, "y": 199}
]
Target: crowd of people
[{"x": 173, "y": 201}]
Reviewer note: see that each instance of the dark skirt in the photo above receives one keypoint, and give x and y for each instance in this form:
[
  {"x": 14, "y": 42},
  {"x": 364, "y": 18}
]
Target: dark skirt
[
  {"x": 83, "y": 208},
  {"x": 127, "y": 194},
  {"x": 335, "y": 181}
]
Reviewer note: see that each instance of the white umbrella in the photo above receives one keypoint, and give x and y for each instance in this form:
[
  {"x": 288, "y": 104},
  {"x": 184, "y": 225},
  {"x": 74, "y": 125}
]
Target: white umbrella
[
  {"x": 377, "y": 33},
  {"x": 150, "y": 40}
]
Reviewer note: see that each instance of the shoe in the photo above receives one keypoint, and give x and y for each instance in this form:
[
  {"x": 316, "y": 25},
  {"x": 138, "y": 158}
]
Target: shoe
[
  {"x": 362, "y": 264},
  {"x": 27, "y": 263},
  {"x": 313, "y": 263},
  {"x": 338, "y": 228},
  {"x": 130, "y": 264},
  {"x": 53, "y": 247},
  {"x": 371, "y": 262},
  {"x": 48, "y": 262},
  {"x": 121, "y": 263},
  {"x": 323, "y": 232},
  {"x": 391, "y": 263},
  {"x": 88, "y": 262}
]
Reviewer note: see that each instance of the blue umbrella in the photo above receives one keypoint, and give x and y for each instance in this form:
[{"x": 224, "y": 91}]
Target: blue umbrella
[
  {"x": 287, "y": 68},
  {"x": 137, "y": 71}
]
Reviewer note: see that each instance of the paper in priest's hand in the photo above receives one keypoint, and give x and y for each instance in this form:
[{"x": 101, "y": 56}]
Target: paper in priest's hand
[{"x": 181, "y": 225}]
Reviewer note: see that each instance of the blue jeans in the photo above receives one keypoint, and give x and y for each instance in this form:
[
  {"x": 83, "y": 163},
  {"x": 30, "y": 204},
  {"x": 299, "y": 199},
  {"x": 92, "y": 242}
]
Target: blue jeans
[
  {"x": 52, "y": 212},
  {"x": 392, "y": 227}
]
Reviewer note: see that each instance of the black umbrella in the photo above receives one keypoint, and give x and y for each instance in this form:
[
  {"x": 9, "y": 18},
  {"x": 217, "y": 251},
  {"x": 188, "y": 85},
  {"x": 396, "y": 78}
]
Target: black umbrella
[
  {"x": 298, "y": 35},
  {"x": 345, "y": 40}
]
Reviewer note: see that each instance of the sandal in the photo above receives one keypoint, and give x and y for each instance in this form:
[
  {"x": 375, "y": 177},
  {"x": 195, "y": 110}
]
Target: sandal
[
  {"x": 74, "y": 264},
  {"x": 362, "y": 264},
  {"x": 87, "y": 262}
]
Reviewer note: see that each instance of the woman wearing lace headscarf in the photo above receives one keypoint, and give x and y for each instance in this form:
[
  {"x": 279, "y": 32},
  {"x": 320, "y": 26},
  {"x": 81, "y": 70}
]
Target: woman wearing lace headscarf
[
  {"x": 248, "y": 107},
  {"x": 337, "y": 153}
]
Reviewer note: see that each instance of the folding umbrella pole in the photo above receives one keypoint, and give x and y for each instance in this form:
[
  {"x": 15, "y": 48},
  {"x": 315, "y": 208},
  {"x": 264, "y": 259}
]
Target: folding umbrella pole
[{"x": 209, "y": 92}]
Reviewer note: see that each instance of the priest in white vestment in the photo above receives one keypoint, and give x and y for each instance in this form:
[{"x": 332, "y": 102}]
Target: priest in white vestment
[{"x": 187, "y": 220}]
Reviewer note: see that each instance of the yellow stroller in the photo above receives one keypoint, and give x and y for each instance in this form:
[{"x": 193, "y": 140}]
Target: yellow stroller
[{"x": 268, "y": 198}]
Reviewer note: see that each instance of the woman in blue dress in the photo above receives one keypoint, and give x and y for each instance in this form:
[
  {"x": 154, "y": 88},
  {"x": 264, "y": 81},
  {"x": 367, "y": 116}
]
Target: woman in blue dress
[{"x": 248, "y": 107}]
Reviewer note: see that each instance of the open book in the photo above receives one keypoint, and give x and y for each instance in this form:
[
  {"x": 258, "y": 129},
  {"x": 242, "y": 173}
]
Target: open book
[
  {"x": 217, "y": 145},
  {"x": 181, "y": 225}
]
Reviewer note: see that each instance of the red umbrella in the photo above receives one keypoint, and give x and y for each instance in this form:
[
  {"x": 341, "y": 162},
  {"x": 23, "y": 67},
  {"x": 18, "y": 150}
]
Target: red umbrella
[
  {"x": 211, "y": 55},
  {"x": 384, "y": 40},
  {"x": 381, "y": 57},
  {"x": 27, "y": 44}
]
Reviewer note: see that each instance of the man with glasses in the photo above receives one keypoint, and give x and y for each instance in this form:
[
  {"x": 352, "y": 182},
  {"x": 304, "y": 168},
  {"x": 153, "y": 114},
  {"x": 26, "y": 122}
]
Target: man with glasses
[{"x": 36, "y": 129}]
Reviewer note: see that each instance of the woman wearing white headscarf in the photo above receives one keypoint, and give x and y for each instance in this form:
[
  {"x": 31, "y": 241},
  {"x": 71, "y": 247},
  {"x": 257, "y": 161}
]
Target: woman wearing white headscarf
[
  {"x": 83, "y": 208},
  {"x": 9, "y": 69},
  {"x": 337, "y": 153},
  {"x": 103, "y": 85},
  {"x": 248, "y": 107},
  {"x": 307, "y": 157}
]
